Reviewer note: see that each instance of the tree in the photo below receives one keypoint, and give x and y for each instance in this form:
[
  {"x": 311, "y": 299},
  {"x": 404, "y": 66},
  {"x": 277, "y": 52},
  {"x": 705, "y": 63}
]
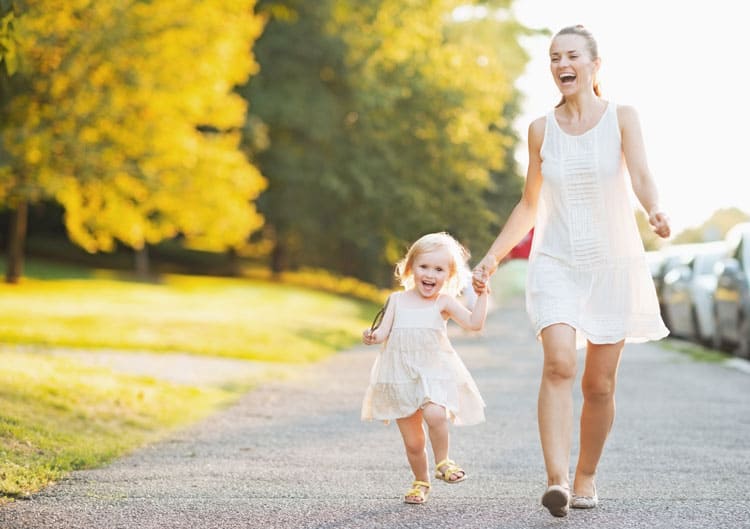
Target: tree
[
  {"x": 384, "y": 123},
  {"x": 714, "y": 228},
  {"x": 131, "y": 121}
]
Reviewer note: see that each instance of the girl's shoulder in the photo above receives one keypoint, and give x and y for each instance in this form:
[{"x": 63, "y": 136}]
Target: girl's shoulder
[{"x": 444, "y": 300}]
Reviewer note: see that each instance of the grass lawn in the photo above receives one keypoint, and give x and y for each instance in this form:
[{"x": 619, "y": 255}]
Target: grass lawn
[
  {"x": 57, "y": 416},
  {"x": 237, "y": 318}
]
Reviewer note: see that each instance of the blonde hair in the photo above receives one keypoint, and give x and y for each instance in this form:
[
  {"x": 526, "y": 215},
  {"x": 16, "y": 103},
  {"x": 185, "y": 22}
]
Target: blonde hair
[{"x": 458, "y": 270}]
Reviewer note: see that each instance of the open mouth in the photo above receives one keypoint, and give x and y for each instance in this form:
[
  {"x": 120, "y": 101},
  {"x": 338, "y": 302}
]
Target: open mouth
[{"x": 567, "y": 78}]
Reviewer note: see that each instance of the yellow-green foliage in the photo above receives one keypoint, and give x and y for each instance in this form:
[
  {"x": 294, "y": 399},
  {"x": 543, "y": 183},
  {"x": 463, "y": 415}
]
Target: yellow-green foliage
[
  {"x": 325, "y": 281},
  {"x": 57, "y": 416},
  {"x": 213, "y": 316},
  {"x": 108, "y": 123}
]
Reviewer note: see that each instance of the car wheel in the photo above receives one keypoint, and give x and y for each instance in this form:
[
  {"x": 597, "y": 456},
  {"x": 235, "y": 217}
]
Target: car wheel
[
  {"x": 696, "y": 332},
  {"x": 716, "y": 341},
  {"x": 743, "y": 345}
]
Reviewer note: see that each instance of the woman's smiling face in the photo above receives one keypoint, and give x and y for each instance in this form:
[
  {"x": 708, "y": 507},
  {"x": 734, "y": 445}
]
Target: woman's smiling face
[{"x": 571, "y": 64}]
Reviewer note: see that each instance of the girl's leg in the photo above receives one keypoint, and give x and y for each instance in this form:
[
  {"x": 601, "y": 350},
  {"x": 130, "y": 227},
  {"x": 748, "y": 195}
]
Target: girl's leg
[
  {"x": 439, "y": 430},
  {"x": 598, "y": 414},
  {"x": 555, "y": 406},
  {"x": 415, "y": 443}
]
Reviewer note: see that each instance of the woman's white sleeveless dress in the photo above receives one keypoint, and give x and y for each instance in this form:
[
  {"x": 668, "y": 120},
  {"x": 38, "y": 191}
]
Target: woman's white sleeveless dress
[
  {"x": 587, "y": 266},
  {"x": 416, "y": 365}
]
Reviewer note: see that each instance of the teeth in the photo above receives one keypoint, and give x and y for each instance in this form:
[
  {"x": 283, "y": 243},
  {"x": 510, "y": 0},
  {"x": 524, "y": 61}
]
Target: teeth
[{"x": 567, "y": 77}]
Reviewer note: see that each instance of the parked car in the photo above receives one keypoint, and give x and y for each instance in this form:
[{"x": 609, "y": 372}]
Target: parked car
[
  {"x": 660, "y": 263},
  {"x": 732, "y": 294},
  {"x": 688, "y": 291}
]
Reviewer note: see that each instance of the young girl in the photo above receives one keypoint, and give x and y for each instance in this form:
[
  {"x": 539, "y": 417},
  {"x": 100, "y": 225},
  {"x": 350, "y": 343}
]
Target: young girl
[{"x": 418, "y": 376}]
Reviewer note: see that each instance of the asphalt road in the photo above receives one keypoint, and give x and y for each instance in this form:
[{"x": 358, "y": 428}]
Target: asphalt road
[{"x": 294, "y": 454}]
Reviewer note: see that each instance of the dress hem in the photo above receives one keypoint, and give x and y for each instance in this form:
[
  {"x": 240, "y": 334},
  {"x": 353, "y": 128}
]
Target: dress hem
[{"x": 583, "y": 336}]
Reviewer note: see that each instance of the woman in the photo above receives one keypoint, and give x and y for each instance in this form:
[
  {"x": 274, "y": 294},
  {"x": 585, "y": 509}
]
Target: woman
[{"x": 588, "y": 281}]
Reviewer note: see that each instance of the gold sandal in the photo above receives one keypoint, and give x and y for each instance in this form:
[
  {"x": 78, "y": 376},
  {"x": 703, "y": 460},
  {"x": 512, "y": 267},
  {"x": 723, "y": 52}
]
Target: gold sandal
[
  {"x": 416, "y": 495},
  {"x": 451, "y": 468}
]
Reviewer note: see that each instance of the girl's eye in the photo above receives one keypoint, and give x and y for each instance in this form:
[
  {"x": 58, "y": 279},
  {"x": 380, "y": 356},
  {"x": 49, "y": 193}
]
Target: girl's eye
[{"x": 439, "y": 269}]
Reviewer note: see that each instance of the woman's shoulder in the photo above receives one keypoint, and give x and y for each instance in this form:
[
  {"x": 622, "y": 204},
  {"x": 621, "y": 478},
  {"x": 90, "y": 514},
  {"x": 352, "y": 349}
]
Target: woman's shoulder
[
  {"x": 626, "y": 113},
  {"x": 538, "y": 124},
  {"x": 536, "y": 131}
]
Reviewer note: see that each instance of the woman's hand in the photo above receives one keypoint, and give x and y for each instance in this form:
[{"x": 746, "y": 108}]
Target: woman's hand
[{"x": 660, "y": 222}]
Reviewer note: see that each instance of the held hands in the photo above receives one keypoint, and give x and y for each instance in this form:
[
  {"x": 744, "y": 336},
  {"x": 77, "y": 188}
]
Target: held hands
[
  {"x": 660, "y": 222},
  {"x": 481, "y": 274}
]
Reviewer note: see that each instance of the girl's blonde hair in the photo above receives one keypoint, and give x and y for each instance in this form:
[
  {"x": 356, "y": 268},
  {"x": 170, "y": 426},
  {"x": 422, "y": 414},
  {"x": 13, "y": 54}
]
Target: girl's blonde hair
[{"x": 459, "y": 268}]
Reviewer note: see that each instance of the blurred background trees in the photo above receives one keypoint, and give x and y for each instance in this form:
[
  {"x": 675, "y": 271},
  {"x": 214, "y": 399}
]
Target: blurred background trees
[
  {"x": 386, "y": 119},
  {"x": 125, "y": 114},
  {"x": 279, "y": 133}
]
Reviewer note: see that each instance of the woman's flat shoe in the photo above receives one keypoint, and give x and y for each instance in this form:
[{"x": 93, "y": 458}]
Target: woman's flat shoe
[
  {"x": 584, "y": 502},
  {"x": 556, "y": 500}
]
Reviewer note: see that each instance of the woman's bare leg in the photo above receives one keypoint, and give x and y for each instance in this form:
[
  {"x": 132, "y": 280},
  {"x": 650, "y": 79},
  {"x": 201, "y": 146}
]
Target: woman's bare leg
[
  {"x": 598, "y": 387},
  {"x": 555, "y": 405}
]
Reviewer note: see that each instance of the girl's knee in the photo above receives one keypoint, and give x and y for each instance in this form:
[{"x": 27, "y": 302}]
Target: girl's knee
[
  {"x": 415, "y": 446},
  {"x": 434, "y": 415}
]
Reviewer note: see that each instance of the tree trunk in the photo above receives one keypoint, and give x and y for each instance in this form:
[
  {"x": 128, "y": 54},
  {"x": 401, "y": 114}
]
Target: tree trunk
[
  {"x": 234, "y": 264},
  {"x": 16, "y": 240},
  {"x": 142, "y": 264},
  {"x": 278, "y": 258}
]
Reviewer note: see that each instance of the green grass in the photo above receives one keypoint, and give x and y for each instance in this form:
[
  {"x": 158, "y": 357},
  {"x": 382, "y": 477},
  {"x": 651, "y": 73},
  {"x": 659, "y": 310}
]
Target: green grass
[
  {"x": 696, "y": 352},
  {"x": 226, "y": 317},
  {"x": 57, "y": 416}
]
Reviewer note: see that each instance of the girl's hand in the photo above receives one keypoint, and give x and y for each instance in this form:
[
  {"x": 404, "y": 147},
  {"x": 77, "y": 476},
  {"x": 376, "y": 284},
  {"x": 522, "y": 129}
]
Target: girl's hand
[
  {"x": 368, "y": 337},
  {"x": 660, "y": 222},
  {"x": 481, "y": 284}
]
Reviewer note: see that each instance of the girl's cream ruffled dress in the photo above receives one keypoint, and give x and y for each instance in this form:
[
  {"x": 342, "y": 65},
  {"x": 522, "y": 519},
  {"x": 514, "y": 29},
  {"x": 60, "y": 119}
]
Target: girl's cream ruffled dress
[{"x": 417, "y": 365}]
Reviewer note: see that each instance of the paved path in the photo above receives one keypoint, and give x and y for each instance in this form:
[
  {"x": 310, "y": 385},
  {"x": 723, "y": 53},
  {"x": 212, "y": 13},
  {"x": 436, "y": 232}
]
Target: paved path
[{"x": 294, "y": 455}]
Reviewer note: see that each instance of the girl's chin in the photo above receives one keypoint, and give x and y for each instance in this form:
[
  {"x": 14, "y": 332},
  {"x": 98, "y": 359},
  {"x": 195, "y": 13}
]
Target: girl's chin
[{"x": 428, "y": 292}]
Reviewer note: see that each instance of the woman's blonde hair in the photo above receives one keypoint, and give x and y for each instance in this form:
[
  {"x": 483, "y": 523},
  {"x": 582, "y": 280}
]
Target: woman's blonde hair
[{"x": 457, "y": 272}]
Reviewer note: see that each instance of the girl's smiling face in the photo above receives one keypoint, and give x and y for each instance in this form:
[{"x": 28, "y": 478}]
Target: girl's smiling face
[{"x": 431, "y": 271}]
